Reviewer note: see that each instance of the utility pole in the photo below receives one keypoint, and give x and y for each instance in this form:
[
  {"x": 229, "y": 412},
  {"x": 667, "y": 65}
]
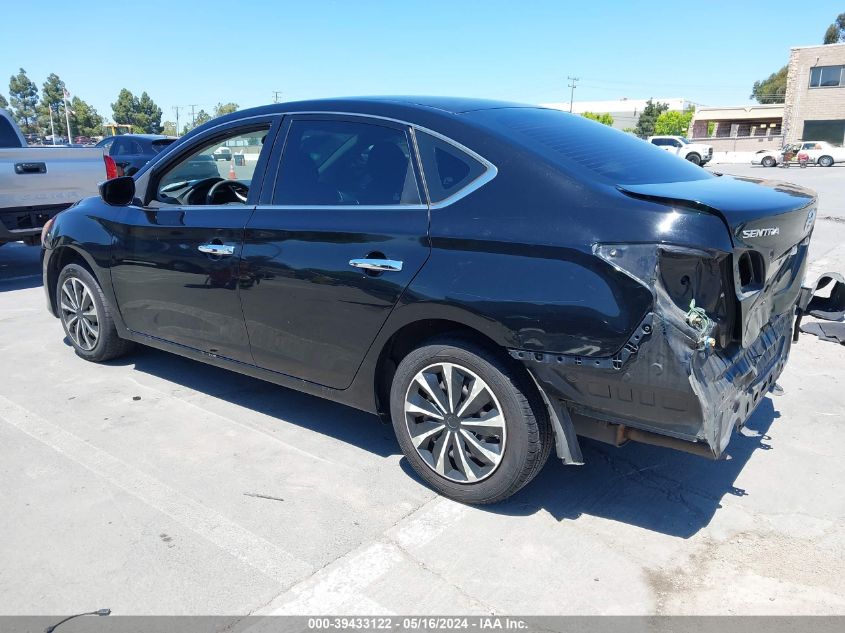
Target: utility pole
[
  {"x": 65, "y": 95},
  {"x": 176, "y": 109},
  {"x": 193, "y": 118},
  {"x": 276, "y": 94},
  {"x": 574, "y": 81}
]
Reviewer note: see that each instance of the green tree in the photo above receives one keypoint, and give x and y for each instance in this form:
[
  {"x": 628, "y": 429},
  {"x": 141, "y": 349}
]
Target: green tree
[
  {"x": 140, "y": 112},
  {"x": 673, "y": 123},
  {"x": 648, "y": 117},
  {"x": 84, "y": 118},
  {"x": 201, "y": 117},
  {"x": 836, "y": 32},
  {"x": 124, "y": 109},
  {"x": 3, "y": 103},
  {"x": 148, "y": 117},
  {"x": 224, "y": 108},
  {"x": 23, "y": 97},
  {"x": 603, "y": 117},
  {"x": 52, "y": 97},
  {"x": 772, "y": 89},
  {"x": 169, "y": 128}
]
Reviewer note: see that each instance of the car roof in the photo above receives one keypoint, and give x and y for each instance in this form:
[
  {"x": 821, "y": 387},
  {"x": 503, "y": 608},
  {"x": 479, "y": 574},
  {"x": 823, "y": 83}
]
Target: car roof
[{"x": 399, "y": 106}]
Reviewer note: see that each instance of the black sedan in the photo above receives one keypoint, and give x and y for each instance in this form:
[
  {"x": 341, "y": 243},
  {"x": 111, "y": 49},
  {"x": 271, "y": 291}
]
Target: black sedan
[
  {"x": 495, "y": 279},
  {"x": 132, "y": 151}
]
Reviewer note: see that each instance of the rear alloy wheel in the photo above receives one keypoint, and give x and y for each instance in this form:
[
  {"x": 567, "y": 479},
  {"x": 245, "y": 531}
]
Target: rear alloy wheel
[
  {"x": 694, "y": 158},
  {"x": 86, "y": 317},
  {"x": 825, "y": 161},
  {"x": 467, "y": 422},
  {"x": 768, "y": 161}
]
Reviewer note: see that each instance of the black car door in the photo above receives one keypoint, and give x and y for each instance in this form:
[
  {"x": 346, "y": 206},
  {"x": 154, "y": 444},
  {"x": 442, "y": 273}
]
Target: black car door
[
  {"x": 343, "y": 234},
  {"x": 176, "y": 259}
]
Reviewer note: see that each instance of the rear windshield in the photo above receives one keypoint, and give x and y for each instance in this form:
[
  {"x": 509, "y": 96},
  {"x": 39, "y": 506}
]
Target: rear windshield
[
  {"x": 160, "y": 145},
  {"x": 585, "y": 148}
]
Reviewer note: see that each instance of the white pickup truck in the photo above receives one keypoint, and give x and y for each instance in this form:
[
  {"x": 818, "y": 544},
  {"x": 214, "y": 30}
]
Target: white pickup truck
[
  {"x": 697, "y": 153},
  {"x": 38, "y": 182},
  {"x": 821, "y": 153}
]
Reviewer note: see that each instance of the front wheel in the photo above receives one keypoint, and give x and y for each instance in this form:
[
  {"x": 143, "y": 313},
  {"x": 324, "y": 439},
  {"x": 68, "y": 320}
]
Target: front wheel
[
  {"x": 768, "y": 161},
  {"x": 86, "y": 316},
  {"x": 825, "y": 161},
  {"x": 694, "y": 158},
  {"x": 470, "y": 425}
]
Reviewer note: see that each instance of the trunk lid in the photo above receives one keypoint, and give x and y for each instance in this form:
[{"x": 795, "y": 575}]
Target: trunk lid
[{"x": 769, "y": 223}]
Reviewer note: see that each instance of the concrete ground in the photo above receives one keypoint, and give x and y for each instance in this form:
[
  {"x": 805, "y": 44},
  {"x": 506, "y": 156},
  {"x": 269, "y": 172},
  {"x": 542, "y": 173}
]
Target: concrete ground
[{"x": 158, "y": 485}]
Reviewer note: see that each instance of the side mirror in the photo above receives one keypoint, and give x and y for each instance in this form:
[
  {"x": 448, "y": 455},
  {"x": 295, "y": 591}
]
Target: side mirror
[{"x": 118, "y": 192}]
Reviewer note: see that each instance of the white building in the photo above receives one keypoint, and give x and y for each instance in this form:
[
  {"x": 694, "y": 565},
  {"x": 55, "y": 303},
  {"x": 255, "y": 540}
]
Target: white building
[{"x": 625, "y": 112}]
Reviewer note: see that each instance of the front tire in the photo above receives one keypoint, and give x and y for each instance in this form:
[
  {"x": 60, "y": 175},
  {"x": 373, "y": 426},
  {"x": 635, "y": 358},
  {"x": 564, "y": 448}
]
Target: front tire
[
  {"x": 86, "y": 316},
  {"x": 825, "y": 161},
  {"x": 694, "y": 158},
  {"x": 469, "y": 423},
  {"x": 768, "y": 161}
]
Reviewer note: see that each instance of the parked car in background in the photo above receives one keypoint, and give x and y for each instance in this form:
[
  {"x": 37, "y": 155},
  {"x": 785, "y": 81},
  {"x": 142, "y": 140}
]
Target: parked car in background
[
  {"x": 222, "y": 153},
  {"x": 83, "y": 140},
  {"x": 696, "y": 153},
  {"x": 495, "y": 279},
  {"x": 820, "y": 153},
  {"x": 132, "y": 151},
  {"x": 38, "y": 182}
]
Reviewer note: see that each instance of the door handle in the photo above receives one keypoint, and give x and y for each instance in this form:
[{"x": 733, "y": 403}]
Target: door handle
[
  {"x": 380, "y": 265},
  {"x": 30, "y": 168},
  {"x": 221, "y": 250}
]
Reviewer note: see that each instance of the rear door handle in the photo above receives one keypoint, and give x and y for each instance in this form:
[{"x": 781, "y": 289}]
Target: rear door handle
[
  {"x": 380, "y": 265},
  {"x": 221, "y": 250}
]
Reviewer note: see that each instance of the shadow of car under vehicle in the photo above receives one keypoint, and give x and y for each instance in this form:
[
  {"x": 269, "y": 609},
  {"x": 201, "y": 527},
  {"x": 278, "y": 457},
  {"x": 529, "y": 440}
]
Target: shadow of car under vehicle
[
  {"x": 658, "y": 489},
  {"x": 654, "y": 488},
  {"x": 20, "y": 267}
]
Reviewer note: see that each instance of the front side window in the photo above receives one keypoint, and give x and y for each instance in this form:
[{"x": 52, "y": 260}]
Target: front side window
[
  {"x": 447, "y": 169},
  {"x": 345, "y": 163},
  {"x": 827, "y": 76},
  {"x": 199, "y": 179}
]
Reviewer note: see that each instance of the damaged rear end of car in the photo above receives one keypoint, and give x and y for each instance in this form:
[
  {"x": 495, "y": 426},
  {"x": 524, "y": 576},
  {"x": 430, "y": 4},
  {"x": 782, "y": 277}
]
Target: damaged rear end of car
[{"x": 717, "y": 335}]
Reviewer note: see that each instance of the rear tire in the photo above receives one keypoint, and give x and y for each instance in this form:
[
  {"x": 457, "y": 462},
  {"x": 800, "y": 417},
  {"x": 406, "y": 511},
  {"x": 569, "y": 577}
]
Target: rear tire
[
  {"x": 479, "y": 440},
  {"x": 825, "y": 161},
  {"x": 86, "y": 316},
  {"x": 768, "y": 161},
  {"x": 694, "y": 158}
]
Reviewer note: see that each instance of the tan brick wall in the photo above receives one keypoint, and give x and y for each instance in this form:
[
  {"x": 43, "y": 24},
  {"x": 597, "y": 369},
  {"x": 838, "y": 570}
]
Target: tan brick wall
[
  {"x": 803, "y": 103},
  {"x": 741, "y": 143}
]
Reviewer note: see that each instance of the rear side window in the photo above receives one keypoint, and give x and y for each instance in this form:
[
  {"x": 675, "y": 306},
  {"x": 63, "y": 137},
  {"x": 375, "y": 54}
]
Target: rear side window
[
  {"x": 8, "y": 138},
  {"x": 447, "y": 169},
  {"x": 345, "y": 163},
  {"x": 588, "y": 150},
  {"x": 160, "y": 145}
]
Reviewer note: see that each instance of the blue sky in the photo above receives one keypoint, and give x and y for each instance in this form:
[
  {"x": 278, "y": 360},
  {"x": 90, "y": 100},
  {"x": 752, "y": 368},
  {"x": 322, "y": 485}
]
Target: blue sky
[{"x": 240, "y": 50}]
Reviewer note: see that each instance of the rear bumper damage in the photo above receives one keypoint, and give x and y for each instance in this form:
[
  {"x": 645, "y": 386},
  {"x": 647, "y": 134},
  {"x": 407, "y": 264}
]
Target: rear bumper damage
[{"x": 685, "y": 379}]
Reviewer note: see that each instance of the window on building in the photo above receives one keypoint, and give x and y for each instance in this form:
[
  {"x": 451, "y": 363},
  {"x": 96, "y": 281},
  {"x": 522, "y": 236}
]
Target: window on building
[
  {"x": 827, "y": 76},
  {"x": 830, "y": 131}
]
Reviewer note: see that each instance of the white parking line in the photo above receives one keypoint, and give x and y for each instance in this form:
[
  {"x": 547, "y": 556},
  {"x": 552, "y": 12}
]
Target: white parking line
[
  {"x": 341, "y": 584},
  {"x": 229, "y": 536}
]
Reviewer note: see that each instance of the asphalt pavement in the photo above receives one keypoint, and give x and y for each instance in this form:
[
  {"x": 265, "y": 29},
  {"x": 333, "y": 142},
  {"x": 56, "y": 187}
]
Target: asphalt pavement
[{"x": 158, "y": 485}]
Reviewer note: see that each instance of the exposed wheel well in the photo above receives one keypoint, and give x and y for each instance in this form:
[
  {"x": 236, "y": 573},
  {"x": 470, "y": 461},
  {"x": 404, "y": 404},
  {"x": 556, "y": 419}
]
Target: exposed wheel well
[
  {"x": 64, "y": 255},
  {"x": 411, "y": 336}
]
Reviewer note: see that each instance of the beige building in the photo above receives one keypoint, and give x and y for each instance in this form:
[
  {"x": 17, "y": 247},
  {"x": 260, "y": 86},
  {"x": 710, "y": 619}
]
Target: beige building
[
  {"x": 739, "y": 128},
  {"x": 814, "y": 109}
]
